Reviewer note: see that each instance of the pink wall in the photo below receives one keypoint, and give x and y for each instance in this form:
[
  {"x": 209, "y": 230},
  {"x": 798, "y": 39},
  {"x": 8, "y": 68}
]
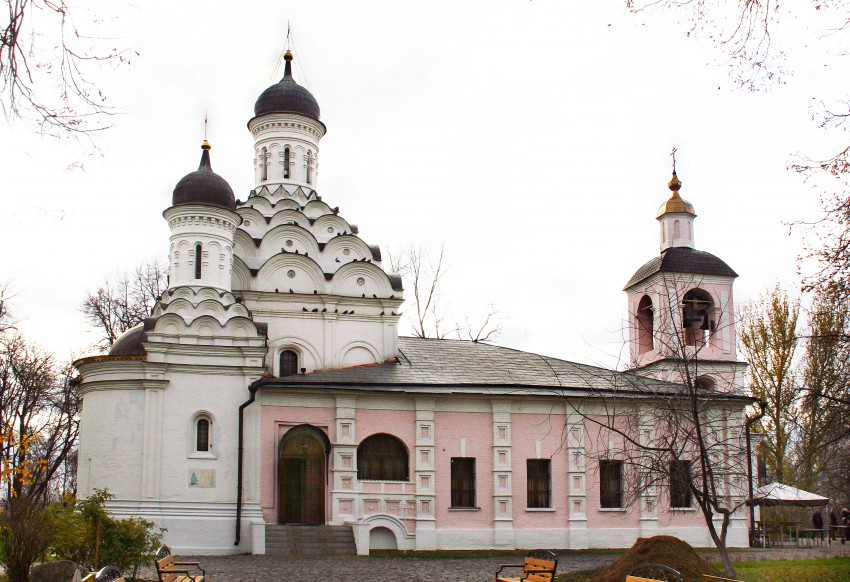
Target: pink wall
[
  {"x": 525, "y": 430},
  {"x": 477, "y": 429},
  {"x": 596, "y": 445},
  {"x": 275, "y": 421}
]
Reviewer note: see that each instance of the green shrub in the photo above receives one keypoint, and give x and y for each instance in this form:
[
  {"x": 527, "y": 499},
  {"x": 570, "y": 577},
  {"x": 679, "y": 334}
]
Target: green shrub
[{"x": 86, "y": 534}]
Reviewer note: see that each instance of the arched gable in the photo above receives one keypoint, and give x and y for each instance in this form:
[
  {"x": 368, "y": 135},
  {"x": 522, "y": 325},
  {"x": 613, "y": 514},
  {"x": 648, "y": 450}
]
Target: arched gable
[
  {"x": 289, "y": 238},
  {"x": 240, "y": 275},
  {"x": 358, "y": 353},
  {"x": 253, "y": 221},
  {"x": 330, "y": 221},
  {"x": 288, "y": 214},
  {"x": 310, "y": 356},
  {"x": 356, "y": 247},
  {"x": 361, "y": 278},
  {"x": 290, "y": 271},
  {"x": 260, "y": 203},
  {"x": 205, "y": 325},
  {"x": 243, "y": 245},
  {"x": 316, "y": 208}
]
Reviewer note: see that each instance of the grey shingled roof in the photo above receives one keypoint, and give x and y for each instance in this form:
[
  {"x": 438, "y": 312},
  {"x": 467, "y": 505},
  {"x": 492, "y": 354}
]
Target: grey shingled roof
[
  {"x": 682, "y": 260},
  {"x": 469, "y": 366}
]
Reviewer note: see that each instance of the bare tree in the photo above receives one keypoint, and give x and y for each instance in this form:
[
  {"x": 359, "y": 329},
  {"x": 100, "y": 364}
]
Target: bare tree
[
  {"x": 46, "y": 65},
  {"x": 423, "y": 272},
  {"x": 124, "y": 301},
  {"x": 38, "y": 409},
  {"x": 38, "y": 434},
  {"x": 680, "y": 443},
  {"x": 6, "y": 321},
  {"x": 768, "y": 336}
]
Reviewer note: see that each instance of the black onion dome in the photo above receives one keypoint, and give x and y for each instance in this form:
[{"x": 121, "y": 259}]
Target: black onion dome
[
  {"x": 287, "y": 96},
  {"x": 130, "y": 343},
  {"x": 203, "y": 186}
]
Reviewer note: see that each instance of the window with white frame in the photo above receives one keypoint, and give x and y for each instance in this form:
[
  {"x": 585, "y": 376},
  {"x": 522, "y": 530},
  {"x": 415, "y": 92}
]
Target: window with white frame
[
  {"x": 610, "y": 484},
  {"x": 202, "y": 442}
]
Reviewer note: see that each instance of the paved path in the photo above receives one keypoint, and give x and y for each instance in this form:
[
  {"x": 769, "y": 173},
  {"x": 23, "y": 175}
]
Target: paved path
[
  {"x": 372, "y": 569},
  {"x": 401, "y": 569}
]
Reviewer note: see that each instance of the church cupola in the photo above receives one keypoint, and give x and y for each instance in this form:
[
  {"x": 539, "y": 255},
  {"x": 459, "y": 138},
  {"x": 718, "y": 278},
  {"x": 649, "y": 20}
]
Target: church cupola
[
  {"x": 203, "y": 220},
  {"x": 286, "y": 129},
  {"x": 676, "y": 217},
  {"x": 287, "y": 96},
  {"x": 203, "y": 186}
]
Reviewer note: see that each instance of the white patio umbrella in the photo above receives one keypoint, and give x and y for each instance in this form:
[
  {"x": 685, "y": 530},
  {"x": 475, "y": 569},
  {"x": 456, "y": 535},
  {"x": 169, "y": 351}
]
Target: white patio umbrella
[{"x": 779, "y": 494}]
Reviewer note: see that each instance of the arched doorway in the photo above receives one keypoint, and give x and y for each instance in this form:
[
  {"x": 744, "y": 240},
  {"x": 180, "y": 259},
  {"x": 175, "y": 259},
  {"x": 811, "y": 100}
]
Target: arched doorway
[{"x": 302, "y": 476}]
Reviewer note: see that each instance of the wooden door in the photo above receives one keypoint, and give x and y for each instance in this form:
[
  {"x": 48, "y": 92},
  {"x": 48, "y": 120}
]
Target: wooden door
[{"x": 302, "y": 479}]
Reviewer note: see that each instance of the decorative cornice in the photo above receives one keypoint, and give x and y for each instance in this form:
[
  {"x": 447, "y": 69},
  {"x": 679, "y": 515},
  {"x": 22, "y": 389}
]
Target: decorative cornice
[
  {"x": 107, "y": 358},
  {"x": 129, "y": 384},
  {"x": 186, "y": 221}
]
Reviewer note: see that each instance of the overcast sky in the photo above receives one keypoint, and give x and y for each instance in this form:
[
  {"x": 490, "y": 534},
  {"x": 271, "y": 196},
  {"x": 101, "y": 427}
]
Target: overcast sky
[{"x": 533, "y": 139}]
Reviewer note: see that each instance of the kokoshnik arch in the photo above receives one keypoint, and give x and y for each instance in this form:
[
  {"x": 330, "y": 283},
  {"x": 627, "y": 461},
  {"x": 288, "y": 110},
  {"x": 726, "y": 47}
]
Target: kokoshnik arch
[{"x": 269, "y": 385}]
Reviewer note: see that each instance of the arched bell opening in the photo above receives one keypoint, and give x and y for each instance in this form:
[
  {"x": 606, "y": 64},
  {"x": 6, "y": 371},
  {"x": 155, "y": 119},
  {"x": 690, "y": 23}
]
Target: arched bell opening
[
  {"x": 303, "y": 475},
  {"x": 698, "y": 321},
  {"x": 644, "y": 323}
]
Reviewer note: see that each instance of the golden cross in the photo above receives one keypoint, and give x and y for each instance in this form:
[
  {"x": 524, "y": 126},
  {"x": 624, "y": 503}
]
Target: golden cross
[{"x": 673, "y": 153}]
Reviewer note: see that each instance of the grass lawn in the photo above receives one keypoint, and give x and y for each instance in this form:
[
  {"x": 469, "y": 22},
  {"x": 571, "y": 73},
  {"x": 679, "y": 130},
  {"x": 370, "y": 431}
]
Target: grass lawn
[{"x": 820, "y": 570}]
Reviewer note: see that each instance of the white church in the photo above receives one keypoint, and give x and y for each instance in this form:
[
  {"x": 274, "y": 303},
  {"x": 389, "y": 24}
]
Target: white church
[{"x": 268, "y": 402}]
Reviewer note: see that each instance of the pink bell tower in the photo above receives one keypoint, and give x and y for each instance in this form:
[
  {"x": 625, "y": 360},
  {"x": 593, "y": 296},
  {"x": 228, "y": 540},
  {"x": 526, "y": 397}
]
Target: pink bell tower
[{"x": 681, "y": 307}]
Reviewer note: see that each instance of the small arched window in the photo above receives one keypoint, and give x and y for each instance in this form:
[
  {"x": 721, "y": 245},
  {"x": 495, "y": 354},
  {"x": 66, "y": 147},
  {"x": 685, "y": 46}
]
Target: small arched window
[
  {"x": 198, "y": 256},
  {"x": 309, "y": 166},
  {"x": 382, "y": 457},
  {"x": 288, "y": 363},
  {"x": 645, "y": 322},
  {"x": 677, "y": 230},
  {"x": 201, "y": 443},
  {"x": 202, "y": 435},
  {"x": 286, "y": 163},
  {"x": 264, "y": 166}
]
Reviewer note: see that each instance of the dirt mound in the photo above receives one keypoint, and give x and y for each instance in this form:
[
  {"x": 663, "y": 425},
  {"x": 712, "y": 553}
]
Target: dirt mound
[{"x": 665, "y": 550}]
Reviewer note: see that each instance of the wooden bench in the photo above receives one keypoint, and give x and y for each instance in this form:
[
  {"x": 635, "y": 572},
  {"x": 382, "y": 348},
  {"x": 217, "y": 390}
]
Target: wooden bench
[
  {"x": 105, "y": 574},
  {"x": 170, "y": 570},
  {"x": 539, "y": 566},
  {"x": 653, "y": 573}
]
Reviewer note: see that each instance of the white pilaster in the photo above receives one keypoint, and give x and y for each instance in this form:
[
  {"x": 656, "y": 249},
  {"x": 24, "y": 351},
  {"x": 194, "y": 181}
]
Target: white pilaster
[
  {"x": 425, "y": 476},
  {"x": 577, "y": 479},
  {"x": 503, "y": 527}
]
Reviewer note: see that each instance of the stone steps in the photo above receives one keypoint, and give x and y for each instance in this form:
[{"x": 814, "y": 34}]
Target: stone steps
[{"x": 309, "y": 540}]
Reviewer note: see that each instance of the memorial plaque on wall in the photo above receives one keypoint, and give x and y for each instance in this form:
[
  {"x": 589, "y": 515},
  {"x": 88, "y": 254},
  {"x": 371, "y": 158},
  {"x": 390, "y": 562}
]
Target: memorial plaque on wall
[{"x": 202, "y": 478}]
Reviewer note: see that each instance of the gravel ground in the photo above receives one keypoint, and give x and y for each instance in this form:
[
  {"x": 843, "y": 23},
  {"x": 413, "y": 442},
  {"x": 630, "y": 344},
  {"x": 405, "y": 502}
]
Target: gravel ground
[
  {"x": 391, "y": 569},
  {"x": 371, "y": 569}
]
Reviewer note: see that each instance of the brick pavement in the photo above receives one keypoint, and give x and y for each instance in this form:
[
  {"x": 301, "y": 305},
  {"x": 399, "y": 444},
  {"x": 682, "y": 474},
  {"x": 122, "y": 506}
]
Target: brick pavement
[
  {"x": 370, "y": 569},
  {"x": 247, "y": 568}
]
